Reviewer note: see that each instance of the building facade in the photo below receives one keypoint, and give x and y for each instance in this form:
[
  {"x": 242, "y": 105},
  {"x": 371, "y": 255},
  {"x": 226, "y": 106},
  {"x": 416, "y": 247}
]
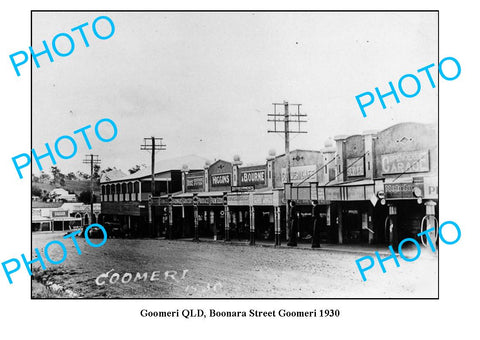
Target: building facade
[
  {"x": 374, "y": 187},
  {"x": 55, "y": 216},
  {"x": 128, "y": 201}
]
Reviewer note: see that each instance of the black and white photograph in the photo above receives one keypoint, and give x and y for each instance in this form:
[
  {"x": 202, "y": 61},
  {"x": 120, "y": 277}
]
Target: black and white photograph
[
  {"x": 236, "y": 155},
  {"x": 215, "y": 170}
]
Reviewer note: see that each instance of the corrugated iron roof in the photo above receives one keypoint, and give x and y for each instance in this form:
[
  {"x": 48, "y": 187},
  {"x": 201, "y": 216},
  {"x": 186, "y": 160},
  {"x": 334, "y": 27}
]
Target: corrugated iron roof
[{"x": 192, "y": 161}]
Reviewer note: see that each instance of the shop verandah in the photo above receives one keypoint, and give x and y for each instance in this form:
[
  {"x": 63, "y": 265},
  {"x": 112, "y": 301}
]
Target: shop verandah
[
  {"x": 219, "y": 215},
  {"x": 349, "y": 213},
  {"x": 40, "y": 223},
  {"x": 235, "y": 216}
]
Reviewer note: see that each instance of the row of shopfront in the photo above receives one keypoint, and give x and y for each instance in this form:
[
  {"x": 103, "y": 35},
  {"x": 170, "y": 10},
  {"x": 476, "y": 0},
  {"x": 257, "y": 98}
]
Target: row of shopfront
[
  {"x": 358, "y": 212},
  {"x": 377, "y": 187},
  {"x": 53, "y": 216}
]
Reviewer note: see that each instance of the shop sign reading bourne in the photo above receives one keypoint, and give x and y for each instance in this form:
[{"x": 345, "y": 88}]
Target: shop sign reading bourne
[{"x": 252, "y": 177}]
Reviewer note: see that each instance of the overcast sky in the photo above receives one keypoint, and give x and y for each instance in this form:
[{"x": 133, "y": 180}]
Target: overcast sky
[{"x": 205, "y": 82}]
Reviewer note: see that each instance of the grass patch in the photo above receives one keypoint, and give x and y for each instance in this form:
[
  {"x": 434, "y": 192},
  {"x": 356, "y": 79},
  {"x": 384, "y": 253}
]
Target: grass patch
[
  {"x": 40, "y": 288},
  {"x": 39, "y": 291}
]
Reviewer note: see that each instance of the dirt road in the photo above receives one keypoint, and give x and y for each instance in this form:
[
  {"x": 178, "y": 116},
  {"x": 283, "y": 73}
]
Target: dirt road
[{"x": 181, "y": 269}]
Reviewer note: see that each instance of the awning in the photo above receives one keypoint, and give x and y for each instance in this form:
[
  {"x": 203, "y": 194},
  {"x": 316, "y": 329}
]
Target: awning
[
  {"x": 357, "y": 183},
  {"x": 40, "y": 219},
  {"x": 182, "y": 194},
  {"x": 210, "y": 194},
  {"x": 260, "y": 197},
  {"x": 68, "y": 218},
  {"x": 404, "y": 188},
  {"x": 186, "y": 199},
  {"x": 360, "y": 190}
]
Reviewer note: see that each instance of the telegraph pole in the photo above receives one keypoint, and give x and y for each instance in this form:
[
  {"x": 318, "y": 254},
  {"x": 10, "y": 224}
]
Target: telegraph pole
[
  {"x": 92, "y": 160},
  {"x": 152, "y": 144},
  {"x": 284, "y": 119}
]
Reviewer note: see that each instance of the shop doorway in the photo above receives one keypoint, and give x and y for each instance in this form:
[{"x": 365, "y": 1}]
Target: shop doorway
[
  {"x": 352, "y": 226},
  {"x": 239, "y": 223},
  {"x": 264, "y": 224},
  {"x": 357, "y": 223}
]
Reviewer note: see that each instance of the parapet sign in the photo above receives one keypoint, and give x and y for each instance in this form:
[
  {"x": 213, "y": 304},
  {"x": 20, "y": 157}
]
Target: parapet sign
[
  {"x": 221, "y": 180},
  {"x": 195, "y": 183},
  {"x": 405, "y": 162},
  {"x": 253, "y": 177},
  {"x": 401, "y": 190}
]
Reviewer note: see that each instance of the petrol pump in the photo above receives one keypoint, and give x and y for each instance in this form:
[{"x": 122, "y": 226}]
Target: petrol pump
[
  {"x": 390, "y": 229},
  {"x": 429, "y": 221}
]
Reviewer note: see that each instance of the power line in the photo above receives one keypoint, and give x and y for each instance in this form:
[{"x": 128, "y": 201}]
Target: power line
[
  {"x": 359, "y": 158},
  {"x": 286, "y": 123},
  {"x": 316, "y": 172}
]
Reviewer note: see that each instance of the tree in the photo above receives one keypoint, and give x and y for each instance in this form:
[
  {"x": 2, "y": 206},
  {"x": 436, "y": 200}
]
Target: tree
[
  {"x": 107, "y": 170},
  {"x": 96, "y": 169},
  {"x": 71, "y": 176},
  {"x": 36, "y": 191},
  {"x": 82, "y": 175},
  {"x": 84, "y": 197},
  {"x": 136, "y": 168},
  {"x": 55, "y": 172},
  {"x": 44, "y": 177},
  {"x": 58, "y": 177}
]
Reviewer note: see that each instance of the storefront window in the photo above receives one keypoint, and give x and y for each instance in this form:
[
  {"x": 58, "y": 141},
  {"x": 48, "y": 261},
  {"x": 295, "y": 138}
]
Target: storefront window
[{"x": 129, "y": 190}]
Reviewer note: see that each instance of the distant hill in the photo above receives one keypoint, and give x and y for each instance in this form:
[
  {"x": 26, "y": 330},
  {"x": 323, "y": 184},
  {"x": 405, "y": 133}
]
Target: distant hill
[{"x": 72, "y": 186}]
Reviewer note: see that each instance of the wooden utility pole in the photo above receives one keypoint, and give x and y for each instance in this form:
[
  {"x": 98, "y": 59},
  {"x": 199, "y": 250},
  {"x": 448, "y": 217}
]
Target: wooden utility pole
[
  {"x": 284, "y": 119},
  {"x": 92, "y": 160},
  {"x": 152, "y": 144}
]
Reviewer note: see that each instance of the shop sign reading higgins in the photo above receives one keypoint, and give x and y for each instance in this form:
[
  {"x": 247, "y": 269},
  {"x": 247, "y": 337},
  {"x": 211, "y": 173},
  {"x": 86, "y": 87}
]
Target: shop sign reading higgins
[
  {"x": 405, "y": 162},
  {"x": 221, "y": 180},
  {"x": 252, "y": 177}
]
